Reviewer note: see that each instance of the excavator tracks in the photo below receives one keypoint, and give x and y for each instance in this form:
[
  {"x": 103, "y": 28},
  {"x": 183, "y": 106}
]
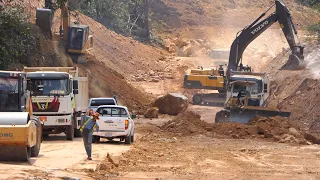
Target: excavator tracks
[{"x": 213, "y": 99}]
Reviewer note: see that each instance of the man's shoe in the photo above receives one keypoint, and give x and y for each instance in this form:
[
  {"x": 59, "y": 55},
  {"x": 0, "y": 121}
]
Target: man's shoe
[{"x": 89, "y": 158}]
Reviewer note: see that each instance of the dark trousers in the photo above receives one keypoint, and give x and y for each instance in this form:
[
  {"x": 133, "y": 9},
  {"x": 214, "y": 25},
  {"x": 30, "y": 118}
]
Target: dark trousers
[{"x": 87, "y": 140}]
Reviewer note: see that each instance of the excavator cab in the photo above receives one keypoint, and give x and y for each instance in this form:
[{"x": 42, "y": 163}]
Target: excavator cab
[
  {"x": 79, "y": 41},
  {"x": 20, "y": 135}
]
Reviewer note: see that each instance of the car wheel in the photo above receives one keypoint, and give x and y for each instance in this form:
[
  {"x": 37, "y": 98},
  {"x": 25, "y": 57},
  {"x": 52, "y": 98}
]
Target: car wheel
[
  {"x": 128, "y": 140},
  {"x": 95, "y": 139}
]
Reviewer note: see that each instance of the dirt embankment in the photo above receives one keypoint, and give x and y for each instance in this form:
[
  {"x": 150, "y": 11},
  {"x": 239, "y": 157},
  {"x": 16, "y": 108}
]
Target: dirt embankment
[
  {"x": 297, "y": 91},
  {"x": 275, "y": 129}
]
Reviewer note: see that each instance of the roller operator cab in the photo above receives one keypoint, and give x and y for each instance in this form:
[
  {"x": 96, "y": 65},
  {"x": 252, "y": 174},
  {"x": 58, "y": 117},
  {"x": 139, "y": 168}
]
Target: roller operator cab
[{"x": 20, "y": 131}]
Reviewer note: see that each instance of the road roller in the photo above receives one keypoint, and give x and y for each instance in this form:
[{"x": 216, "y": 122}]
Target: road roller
[{"x": 20, "y": 131}]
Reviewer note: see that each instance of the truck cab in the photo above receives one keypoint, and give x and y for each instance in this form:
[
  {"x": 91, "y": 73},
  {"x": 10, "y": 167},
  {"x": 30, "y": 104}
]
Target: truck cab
[{"x": 55, "y": 97}]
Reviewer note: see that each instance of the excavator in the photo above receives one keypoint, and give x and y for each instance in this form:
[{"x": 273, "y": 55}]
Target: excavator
[
  {"x": 216, "y": 80},
  {"x": 76, "y": 37},
  {"x": 20, "y": 131}
]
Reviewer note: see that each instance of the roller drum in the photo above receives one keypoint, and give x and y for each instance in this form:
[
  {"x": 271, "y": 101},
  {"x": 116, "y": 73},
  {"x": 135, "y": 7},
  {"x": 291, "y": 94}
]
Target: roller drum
[
  {"x": 16, "y": 118},
  {"x": 14, "y": 153}
]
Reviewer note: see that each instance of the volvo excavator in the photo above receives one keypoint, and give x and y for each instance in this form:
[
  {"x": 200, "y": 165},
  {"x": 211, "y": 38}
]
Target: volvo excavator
[
  {"x": 76, "y": 37},
  {"x": 20, "y": 131},
  {"x": 216, "y": 79}
]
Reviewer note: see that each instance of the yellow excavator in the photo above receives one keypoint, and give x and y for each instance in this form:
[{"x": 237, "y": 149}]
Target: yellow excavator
[
  {"x": 218, "y": 78},
  {"x": 75, "y": 36},
  {"x": 20, "y": 131}
]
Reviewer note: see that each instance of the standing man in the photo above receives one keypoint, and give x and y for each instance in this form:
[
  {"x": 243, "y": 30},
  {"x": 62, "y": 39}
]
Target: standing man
[{"x": 87, "y": 130}]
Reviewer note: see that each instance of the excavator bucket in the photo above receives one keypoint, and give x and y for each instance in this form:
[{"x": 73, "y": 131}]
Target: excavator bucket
[
  {"x": 244, "y": 115},
  {"x": 44, "y": 19}
]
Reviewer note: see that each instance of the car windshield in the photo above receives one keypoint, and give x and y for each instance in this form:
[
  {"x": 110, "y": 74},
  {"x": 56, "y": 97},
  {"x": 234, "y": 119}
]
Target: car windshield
[
  {"x": 100, "y": 102},
  {"x": 113, "y": 112},
  {"x": 46, "y": 87},
  {"x": 9, "y": 94}
]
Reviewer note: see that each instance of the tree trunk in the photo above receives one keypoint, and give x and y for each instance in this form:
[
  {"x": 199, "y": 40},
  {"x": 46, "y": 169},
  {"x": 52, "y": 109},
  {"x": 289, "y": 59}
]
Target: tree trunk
[{"x": 146, "y": 16}]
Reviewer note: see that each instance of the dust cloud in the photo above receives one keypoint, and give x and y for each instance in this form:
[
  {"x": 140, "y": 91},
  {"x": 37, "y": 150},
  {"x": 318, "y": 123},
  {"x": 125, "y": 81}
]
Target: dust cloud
[{"x": 313, "y": 62}]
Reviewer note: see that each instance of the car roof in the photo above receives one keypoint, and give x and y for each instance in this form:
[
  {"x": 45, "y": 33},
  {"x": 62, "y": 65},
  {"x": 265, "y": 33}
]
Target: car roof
[
  {"x": 118, "y": 106},
  {"x": 101, "y": 98}
]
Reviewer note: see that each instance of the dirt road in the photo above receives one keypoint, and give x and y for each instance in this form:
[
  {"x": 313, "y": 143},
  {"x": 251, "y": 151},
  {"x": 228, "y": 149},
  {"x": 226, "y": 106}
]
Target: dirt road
[{"x": 59, "y": 156}]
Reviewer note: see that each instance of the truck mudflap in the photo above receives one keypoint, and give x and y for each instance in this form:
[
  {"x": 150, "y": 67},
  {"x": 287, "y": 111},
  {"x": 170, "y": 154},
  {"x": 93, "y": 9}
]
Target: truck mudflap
[{"x": 243, "y": 115}]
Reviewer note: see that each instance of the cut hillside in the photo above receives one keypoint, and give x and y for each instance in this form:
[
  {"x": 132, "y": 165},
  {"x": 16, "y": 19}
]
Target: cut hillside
[
  {"x": 216, "y": 23},
  {"x": 297, "y": 91}
]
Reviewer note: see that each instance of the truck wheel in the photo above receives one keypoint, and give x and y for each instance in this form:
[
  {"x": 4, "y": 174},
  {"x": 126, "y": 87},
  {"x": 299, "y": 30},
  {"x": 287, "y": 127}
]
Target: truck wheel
[
  {"x": 128, "y": 139},
  {"x": 70, "y": 132},
  {"x": 36, "y": 148},
  {"x": 95, "y": 139},
  {"x": 77, "y": 133}
]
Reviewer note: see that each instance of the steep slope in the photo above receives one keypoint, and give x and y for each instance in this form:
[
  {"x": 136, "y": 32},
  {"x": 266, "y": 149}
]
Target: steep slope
[
  {"x": 297, "y": 91},
  {"x": 216, "y": 23}
]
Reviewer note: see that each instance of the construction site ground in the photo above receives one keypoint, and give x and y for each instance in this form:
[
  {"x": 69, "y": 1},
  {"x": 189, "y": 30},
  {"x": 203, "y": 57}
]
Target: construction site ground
[
  {"x": 190, "y": 146},
  {"x": 158, "y": 153}
]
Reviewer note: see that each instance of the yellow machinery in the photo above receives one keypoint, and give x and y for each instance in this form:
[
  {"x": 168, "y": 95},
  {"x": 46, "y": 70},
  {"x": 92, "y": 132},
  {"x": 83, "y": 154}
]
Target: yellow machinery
[
  {"x": 20, "y": 132},
  {"x": 76, "y": 37},
  {"x": 211, "y": 79}
]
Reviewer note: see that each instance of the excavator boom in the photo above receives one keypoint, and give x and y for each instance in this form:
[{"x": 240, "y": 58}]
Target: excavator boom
[{"x": 251, "y": 32}]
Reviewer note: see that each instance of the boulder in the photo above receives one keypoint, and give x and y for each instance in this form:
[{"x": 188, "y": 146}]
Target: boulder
[
  {"x": 312, "y": 137},
  {"x": 151, "y": 113},
  {"x": 171, "y": 103}
]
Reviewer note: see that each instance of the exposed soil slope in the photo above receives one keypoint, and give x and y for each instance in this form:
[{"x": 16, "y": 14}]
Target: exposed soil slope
[{"x": 297, "y": 91}]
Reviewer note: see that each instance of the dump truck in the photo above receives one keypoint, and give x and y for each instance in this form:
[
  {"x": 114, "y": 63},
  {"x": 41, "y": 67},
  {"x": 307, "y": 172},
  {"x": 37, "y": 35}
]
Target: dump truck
[
  {"x": 20, "y": 130},
  {"x": 219, "y": 81},
  {"x": 59, "y": 97},
  {"x": 75, "y": 37}
]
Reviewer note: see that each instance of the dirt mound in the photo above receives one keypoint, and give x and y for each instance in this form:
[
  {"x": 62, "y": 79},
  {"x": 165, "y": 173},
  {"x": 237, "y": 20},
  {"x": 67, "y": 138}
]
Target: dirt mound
[
  {"x": 187, "y": 123},
  {"x": 277, "y": 129},
  {"x": 171, "y": 103},
  {"x": 106, "y": 82},
  {"x": 296, "y": 91},
  {"x": 151, "y": 113}
]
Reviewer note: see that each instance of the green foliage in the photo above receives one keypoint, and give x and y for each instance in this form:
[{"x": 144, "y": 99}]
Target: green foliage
[
  {"x": 17, "y": 42},
  {"x": 123, "y": 16}
]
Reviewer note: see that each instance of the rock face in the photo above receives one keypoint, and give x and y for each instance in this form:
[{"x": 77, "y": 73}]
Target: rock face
[
  {"x": 151, "y": 113},
  {"x": 171, "y": 103}
]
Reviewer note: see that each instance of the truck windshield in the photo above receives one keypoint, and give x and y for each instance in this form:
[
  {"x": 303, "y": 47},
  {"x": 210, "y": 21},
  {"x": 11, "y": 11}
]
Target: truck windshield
[
  {"x": 47, "y": 87},
  {"x": 9, "y": 94}
]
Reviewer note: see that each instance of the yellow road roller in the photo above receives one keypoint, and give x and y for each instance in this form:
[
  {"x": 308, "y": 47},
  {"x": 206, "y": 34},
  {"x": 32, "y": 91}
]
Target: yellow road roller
[{"x": 20, "y": 132}]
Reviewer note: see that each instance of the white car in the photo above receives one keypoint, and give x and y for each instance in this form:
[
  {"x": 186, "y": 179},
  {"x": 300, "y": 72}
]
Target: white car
[
  {"x": 114, "y": 122},
  {"x": 94, "y": 103}
]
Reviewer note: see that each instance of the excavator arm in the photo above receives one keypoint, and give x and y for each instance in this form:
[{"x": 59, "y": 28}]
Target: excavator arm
[{"x": 251, "y": 32}]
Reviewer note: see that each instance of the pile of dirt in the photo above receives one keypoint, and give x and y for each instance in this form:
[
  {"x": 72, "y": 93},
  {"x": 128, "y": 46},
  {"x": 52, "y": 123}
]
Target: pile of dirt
[
  {"x": 277, "y": 129},
  {"x": 106, "y": 82},
  {"x": 171, "y": 103},
  {"x": 187, "y": 123},
  {"x": 297, "y": 91}
]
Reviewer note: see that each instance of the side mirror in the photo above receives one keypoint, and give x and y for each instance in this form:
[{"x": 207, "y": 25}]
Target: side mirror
[
  {"x": 75, "y": 91},
  {"x": 133, "y": 116},
  {"x": 75, "y": 84}
]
